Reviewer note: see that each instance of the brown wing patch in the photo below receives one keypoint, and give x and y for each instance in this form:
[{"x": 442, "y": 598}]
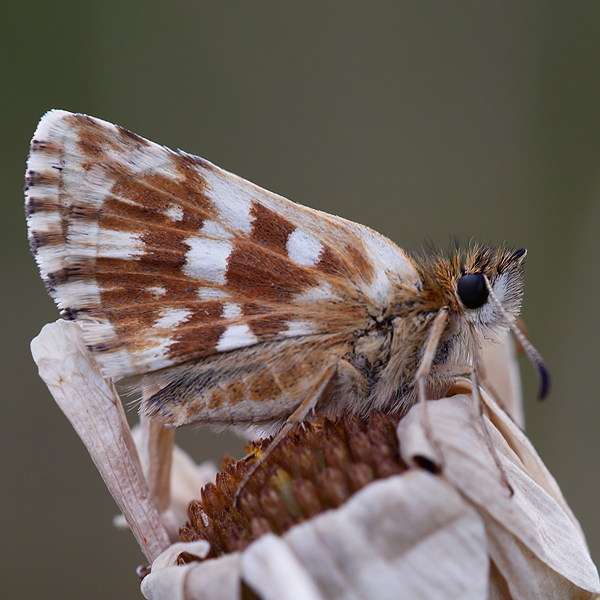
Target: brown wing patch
[
  {"x": 252, "y": 308},
  {"x": 360, "y": 263},
  {"x": 128, "y": 287},
  {"x": 269, "y": 229},
  {"x": 95, "y": 139},
  {"x": 197, "y": 342},
  {"x": 265, "y": 276},
  {"x": 200, "y": 333},
  {"x": 268, "y": 326},
  {"x": 147, "y": 198},
  {"x": 348, "y": 262},
  {"x": 330, "y": 263}
]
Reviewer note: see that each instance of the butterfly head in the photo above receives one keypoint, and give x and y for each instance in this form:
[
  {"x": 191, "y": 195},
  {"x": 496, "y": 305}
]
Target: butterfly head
[
  {"x": 484, "y": 271},
  {"x": 482, "y": 288},
  {"x": 458, "y": 282}
]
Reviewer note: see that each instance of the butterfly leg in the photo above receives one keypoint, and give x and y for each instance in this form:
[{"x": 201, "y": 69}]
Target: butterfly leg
[
  {"x": 157, "y": 454},
  {"x": 423, "y": 372},
  {"x": 435, "y": 333},
  {"x": 473, "y": 374},
  {"x": 486, "y": 432},
  {"x": 157, "y": 450},
  {"x": 298, "y": 416}
]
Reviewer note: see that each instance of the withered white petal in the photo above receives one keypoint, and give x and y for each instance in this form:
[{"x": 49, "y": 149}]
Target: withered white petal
[
  {"x": 504, "y": 375},
  {"x": 271, "y": 569},
  {"x": 531, "y": 463},
  {"x": 169, "y": 557},
  {"x": 217, "y": 579},
  {"x": 523, "y": 574},
  {"x": 410, "y": 536},
  {"x": 534, "y": 518},
  {"x": 94, "y": 409}
]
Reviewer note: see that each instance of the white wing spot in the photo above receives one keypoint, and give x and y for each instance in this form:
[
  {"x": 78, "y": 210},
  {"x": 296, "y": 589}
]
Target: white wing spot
[
  {"x": 298, "y": 328},
  {"x": 236, "y": 336},
  {"x": 207, "y": 294},
  {"x": 171, "y": 317},
  {"x": 175, "y": 213},
  {"x": 388, "y": 262},
  {"x": 323, "y": 291},
  {"x": 157, "y": 353},
  {"x": 207, "y": 259},
  {"x": 120, "y": 244},
  {"x": 304, "y": 248},
  {"x": 79, "y": 294},
  {"x": 214, "y": 229},
  {"x": 231, "y": 310},
  {"x": 232, "y": 199},
  {"x": 157, "y": 291}
]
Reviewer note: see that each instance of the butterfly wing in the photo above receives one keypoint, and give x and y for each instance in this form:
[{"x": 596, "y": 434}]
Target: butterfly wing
[{"x": 163, "y": 258}]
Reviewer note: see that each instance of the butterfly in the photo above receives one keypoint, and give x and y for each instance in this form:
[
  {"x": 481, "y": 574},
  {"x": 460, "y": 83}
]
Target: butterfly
[{"x": 232, "y": 306}]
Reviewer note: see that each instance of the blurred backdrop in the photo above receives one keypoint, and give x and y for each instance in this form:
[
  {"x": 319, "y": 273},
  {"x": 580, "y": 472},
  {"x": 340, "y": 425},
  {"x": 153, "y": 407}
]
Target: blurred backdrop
[{"x": 422, "y": 120}]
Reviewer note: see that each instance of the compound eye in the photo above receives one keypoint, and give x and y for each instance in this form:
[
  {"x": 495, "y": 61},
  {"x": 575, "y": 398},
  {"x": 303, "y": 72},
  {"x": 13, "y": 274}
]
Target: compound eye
[{"x": 472, "y": 290}]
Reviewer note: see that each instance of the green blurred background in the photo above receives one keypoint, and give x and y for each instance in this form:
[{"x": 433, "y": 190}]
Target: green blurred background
[{"x": 422, "y": 120}]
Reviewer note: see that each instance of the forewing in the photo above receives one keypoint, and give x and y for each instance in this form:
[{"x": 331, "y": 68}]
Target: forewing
[{"x": 164, "y": 258}]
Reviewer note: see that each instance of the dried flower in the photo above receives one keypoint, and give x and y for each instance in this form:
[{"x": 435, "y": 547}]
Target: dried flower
[
  {"x": 315, "y": 468},
  {"x": 340, "y": 510}
]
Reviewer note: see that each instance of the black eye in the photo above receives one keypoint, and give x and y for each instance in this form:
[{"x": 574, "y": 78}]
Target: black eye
[{"x": 472, "y": 290}]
